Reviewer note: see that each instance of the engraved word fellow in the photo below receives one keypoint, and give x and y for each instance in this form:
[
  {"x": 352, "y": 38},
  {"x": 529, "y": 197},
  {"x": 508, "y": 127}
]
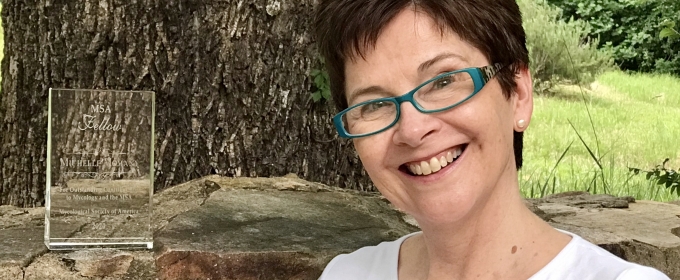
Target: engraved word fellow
[{"x": 90, "y": 121}]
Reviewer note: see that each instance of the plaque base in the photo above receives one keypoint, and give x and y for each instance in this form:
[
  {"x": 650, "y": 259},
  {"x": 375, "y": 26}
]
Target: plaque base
[
  {"x": 92, "y": 243},
  {"x": 99, "y": 214}
]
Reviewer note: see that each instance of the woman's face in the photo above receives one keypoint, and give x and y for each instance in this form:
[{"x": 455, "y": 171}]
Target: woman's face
[{"x": 410, "y": 51}]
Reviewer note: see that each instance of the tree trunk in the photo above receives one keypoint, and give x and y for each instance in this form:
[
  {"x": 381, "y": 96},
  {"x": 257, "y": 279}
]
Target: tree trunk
[{"x": 232, "y": 82}]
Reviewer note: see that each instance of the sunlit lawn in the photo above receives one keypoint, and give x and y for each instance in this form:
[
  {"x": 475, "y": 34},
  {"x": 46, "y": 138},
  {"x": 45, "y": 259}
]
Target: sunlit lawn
[{"x": 636, "y": 118}]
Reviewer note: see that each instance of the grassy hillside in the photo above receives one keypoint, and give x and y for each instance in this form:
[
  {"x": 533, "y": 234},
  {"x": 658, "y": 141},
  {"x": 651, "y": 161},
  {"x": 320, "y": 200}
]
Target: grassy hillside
[{"x": 636, "y": 119}]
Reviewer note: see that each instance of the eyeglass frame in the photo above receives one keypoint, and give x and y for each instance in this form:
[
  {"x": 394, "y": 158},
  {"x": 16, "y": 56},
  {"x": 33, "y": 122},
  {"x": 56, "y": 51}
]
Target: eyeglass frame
[{"x": 480, "y": 77}]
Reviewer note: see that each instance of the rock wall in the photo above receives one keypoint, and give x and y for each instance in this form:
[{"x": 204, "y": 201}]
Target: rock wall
[{"x": 288, "y": 228}]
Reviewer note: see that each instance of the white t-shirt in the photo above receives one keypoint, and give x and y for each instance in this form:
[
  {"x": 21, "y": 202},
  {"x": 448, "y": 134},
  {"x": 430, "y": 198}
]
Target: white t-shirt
[{"x": 579, "y": 260}]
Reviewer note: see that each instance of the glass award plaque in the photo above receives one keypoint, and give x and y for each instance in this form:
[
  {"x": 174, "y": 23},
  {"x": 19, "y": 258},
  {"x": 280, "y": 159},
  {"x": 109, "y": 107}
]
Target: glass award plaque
[{"x": 100, "y": 170}]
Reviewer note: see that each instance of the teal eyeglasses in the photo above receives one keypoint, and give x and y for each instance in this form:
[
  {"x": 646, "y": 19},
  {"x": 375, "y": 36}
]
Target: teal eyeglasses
[{"x": 440, "y": 93}]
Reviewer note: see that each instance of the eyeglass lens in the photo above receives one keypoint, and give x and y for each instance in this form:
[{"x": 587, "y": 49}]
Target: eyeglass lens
[{"x": 437, "y": 94}]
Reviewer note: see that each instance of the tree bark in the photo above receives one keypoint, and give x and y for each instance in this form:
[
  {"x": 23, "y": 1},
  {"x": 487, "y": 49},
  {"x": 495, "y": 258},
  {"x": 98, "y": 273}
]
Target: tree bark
[{"x": 232, "y": 82}]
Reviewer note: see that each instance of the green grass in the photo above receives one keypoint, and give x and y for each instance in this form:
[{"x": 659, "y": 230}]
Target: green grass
[{"x": 637, "y": 121}]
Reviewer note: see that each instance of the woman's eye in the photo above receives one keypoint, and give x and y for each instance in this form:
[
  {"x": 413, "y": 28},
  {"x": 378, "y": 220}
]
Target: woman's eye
[
  {"x": 442, "y": 82},
  {"x": 374, "y": 106}
]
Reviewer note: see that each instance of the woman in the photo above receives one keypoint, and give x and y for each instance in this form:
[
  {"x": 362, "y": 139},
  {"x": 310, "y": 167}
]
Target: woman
[{"x": 435, "y": 96}]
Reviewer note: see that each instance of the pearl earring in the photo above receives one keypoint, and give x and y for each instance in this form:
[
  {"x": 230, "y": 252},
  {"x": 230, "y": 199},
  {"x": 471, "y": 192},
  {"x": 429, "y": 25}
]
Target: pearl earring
[{"x": 521, "y": 123}]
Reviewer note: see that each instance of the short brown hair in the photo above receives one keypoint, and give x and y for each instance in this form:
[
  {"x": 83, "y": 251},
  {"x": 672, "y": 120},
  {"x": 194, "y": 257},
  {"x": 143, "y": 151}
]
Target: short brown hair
[{"x": 345, "y": 29}]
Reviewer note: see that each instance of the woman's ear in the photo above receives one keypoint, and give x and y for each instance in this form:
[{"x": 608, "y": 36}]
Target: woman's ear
[{"x": 523, "y": 100}]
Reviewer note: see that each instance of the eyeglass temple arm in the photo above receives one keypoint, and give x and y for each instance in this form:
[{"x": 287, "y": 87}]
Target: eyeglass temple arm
[{"x": 490, "y": 70}]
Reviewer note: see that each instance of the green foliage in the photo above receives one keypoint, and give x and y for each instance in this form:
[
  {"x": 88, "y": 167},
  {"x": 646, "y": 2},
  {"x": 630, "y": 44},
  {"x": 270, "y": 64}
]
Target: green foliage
[
  {"x": 322, "y": 83},
  {"x": 550, "y": 39},
  {"x": 662, "y": 176},
  {"x": 668, "y": 30},
  {"x": 639, "y": 32}
]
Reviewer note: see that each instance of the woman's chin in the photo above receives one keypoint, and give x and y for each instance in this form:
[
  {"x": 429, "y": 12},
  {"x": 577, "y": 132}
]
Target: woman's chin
[{"x": 441, "y": 211}]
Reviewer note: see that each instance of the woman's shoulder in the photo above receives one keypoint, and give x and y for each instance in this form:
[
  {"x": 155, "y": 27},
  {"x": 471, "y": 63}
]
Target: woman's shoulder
[
  {"x": 370, "y": 262},
  {"x": 642, "y": 272},
  {"x": 581, "y": 259}
]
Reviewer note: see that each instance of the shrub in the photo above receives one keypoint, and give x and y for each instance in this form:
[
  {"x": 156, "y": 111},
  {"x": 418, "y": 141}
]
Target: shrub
[
  {"x": 631, "y": 28},
  {"x": 558, "y": 48}
]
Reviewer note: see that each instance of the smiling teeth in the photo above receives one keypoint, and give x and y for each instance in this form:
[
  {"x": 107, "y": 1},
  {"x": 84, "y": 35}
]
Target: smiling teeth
[{"x": 435, "y": 164}]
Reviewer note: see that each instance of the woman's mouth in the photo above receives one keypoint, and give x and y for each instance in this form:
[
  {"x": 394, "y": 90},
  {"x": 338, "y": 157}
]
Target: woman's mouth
[{"x": 435, "y": 164}]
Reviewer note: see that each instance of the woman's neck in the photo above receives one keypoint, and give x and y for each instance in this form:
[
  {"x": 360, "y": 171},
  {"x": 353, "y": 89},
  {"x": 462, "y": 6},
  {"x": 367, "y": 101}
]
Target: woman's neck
[{"x": 501, "y": 239}]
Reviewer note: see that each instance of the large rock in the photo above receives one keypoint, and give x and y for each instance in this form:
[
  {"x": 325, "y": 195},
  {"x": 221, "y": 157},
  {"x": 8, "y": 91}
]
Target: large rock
[
  {"x": 644, "y": 232},
  {"x": 288, "y": 228},
  {"x": 21, "y": 239},
  {"x": 271, "y": 229}
]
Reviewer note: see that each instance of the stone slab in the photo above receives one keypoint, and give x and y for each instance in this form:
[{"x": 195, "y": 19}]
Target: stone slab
[
  {"x": 284, "y": 234},
  {"x": 645, "y": 233},
  {"x": 105, "y": 262},
  {"x": 21, "y": 239},
  {"x": 21, "y": 245},
  {"x": 11, "y": 272},
  {"x": 646, "y": 221},
  {"x": 287, "y": 228},
  {"x": 581, "y": 199},
  {"x": 137, "y": 265}
]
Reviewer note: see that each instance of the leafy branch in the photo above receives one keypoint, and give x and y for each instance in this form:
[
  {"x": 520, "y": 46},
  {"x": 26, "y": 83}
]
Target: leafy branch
[
  {"x": 662, "y": 175},
  {"x": 322, "y": 83}
]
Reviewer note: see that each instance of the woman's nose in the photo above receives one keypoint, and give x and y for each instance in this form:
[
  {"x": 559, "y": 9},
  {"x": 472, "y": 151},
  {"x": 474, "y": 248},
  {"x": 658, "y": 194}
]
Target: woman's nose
[{"x": 414, "y": 127}]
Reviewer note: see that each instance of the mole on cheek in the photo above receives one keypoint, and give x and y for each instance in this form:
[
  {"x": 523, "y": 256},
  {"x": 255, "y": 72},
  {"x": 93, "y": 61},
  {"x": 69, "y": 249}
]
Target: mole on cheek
[{"x": 514, "y": 249}]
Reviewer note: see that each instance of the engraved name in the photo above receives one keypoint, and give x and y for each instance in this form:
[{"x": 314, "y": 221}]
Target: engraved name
[{"x": 96, "y": 163}]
